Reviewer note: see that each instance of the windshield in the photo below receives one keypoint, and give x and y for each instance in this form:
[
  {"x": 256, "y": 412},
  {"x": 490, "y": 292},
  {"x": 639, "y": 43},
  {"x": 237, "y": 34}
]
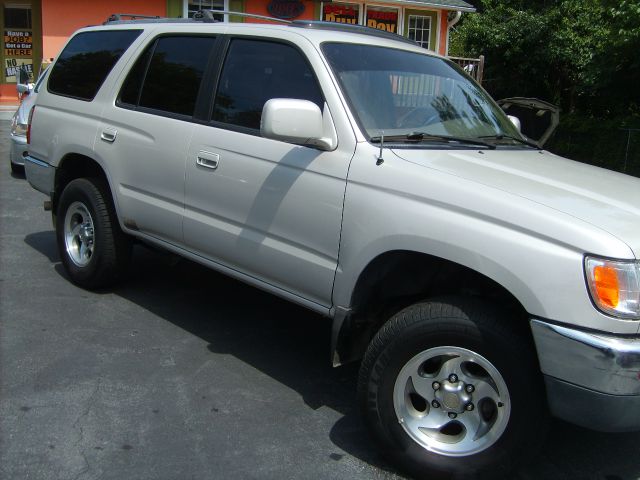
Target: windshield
[{"x": 395, "y": 93}]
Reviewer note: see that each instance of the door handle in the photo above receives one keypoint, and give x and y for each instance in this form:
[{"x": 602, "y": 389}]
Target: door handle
[
  {"x": 208, "y": 160},
  {"x": 109, "y": 135}
]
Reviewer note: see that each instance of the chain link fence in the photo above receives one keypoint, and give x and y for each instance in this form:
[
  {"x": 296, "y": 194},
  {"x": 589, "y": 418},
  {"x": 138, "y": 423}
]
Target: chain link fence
[{"x": 611, "y": 146}]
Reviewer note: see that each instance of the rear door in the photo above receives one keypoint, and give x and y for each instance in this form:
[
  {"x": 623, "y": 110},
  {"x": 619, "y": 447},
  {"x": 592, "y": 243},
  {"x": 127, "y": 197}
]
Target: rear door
[{"x": 145, "y": 136}]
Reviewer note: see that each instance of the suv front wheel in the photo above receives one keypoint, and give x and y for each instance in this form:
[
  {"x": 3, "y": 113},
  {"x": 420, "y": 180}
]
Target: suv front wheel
[
  {"x": 93, "y": 248},
  {"x": 451, "y": 388}
]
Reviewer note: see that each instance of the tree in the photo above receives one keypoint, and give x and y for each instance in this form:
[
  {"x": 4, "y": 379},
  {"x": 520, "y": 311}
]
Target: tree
[{"x": 579, "y": 54}]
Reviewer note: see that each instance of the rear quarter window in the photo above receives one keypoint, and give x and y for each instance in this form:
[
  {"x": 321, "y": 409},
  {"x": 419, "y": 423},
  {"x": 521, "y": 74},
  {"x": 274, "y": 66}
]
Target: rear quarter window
[{"x": 86, "y": 61}]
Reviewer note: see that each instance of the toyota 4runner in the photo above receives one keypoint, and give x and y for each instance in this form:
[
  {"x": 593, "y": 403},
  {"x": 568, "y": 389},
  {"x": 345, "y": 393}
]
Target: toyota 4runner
[{"x": 483, "y": 282}]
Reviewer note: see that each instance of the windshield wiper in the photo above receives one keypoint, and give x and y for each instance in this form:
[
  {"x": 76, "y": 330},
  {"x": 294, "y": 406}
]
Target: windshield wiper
[
  {"x": 500, "y": 136},
  {"x": 421, "y": 137}
]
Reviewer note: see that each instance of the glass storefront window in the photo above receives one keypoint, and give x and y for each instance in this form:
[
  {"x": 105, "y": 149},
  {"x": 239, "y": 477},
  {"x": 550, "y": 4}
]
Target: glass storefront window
[
  {"x": 382, "y": 18},
  {"x": 17, "y": 17},
  {"x": 341, "y": 13},
  {"x": 194, "y": 6}
]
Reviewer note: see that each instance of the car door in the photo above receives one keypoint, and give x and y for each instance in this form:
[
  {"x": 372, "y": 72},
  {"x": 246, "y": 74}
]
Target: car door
[
  {"x": 267, "y": 209},
  {"x": 144, "y": 137}
]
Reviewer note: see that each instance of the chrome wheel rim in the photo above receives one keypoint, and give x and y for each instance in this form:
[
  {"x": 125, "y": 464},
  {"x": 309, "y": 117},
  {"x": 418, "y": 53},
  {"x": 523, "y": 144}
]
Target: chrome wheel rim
[
  {"x": 79, "y": 234},
  {"x": 451, "y": 401}
]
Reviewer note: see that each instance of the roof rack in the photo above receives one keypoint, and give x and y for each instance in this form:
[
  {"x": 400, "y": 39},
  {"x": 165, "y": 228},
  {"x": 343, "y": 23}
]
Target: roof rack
[
  {"x": 349, "y": 27},
  {"x": 116, "y": 17},
  {"x": 208, "y": 16},
  {"x": 242, "y": 14},
  {"x": 204, "y": 16}
]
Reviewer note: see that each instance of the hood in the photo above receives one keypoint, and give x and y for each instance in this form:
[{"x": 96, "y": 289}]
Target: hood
[
  {"x": 605, "y": 199},
  {"x": 538, "y": 119}
]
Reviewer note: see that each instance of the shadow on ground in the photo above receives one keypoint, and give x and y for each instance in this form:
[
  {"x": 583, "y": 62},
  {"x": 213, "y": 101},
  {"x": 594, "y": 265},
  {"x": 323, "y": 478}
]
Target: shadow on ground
[{"x": 291, "y": 345}]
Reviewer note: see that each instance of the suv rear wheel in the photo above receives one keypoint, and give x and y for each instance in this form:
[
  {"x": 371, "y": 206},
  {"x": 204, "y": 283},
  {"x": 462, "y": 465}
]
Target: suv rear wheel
[
  {"x": 450, "y": 388},
  {"x": 93, "y": 248}
]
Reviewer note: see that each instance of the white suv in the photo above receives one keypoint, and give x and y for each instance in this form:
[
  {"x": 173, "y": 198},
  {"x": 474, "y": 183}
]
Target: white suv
[{"x": 484, "y": 282}]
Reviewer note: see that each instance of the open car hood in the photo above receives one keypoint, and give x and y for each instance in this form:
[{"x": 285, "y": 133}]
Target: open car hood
[{"x": 538, "y": 118}]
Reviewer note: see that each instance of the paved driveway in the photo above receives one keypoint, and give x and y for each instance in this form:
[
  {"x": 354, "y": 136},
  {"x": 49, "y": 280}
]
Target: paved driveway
[{"x": 181, "y": 373}]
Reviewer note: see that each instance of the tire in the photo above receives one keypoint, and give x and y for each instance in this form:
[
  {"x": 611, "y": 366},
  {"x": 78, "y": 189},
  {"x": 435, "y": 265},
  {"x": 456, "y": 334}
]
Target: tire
[
  {"x": 94, "y": 250},
  {"x": 483, "y": 421},
  {"x": 16, "y": 169}
]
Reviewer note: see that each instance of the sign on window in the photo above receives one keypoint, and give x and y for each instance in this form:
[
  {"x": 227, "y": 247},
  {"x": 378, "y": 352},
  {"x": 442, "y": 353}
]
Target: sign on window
[
  {"x": 383, "y": 18},
  {"x": 341, "y": 13},
  {"x": 12, "y": 68},
  {"x": 18, "y": 43}
]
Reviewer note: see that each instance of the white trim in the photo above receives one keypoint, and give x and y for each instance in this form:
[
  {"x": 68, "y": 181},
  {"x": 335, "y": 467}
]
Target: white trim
[
  {"x": 430, "y": 18},
  {"x": 185, "y": 9},
  {"x": 446, "y": 47},
  {"x": 439, "y": 20}
]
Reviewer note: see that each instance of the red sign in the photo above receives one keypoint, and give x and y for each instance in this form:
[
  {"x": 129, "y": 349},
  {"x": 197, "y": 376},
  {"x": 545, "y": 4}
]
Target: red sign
[
  {"x": 345, "y": 13},
  {"x": 383, "y": 19}
]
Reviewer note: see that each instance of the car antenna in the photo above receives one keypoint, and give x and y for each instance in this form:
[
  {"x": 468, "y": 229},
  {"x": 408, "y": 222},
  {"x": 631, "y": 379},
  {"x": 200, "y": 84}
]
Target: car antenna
[{"x": 380, "y": 160}]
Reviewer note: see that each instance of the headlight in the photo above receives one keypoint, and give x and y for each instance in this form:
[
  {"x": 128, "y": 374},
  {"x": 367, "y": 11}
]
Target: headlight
[{"x": 614, "y": 286}]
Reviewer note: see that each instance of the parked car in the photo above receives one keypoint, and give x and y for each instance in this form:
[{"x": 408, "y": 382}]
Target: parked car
[
  {"x": 483, "y": 282},
  {"x": 18, "y": 150}
]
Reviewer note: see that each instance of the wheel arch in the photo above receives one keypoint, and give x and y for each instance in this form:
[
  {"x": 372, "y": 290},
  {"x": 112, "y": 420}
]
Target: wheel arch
[
  {"x": 77, "y": 165},
  {"x": 395, "y": 279}
]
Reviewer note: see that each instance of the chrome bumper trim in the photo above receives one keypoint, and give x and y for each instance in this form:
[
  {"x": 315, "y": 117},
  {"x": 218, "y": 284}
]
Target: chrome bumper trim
[
  {"x": 40, "y": 174},
  {"x": 603, "y": 363}
]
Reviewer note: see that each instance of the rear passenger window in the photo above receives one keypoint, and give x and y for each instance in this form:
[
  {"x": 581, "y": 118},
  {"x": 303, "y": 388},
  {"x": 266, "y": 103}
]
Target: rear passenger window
[
  {"x": 86, "y": 61},
  {"x": 167, "y": 76},
  {"x": 256, "y": 71}
]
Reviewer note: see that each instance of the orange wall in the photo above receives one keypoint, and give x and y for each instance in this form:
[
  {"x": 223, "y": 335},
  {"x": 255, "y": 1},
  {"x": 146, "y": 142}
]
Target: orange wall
[
  {"x": 443, "y": 32},
  {"x": 259, "y": 7},
  {"x": 60, "y": 18}
]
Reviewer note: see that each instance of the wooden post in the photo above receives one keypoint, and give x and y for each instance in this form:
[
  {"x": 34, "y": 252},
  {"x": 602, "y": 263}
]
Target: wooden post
[{"x": 480, "y": 69}]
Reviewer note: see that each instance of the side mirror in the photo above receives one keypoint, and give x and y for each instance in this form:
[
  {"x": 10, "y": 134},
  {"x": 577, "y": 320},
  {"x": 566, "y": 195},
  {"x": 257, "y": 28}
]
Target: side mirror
[
  {"x": 516, "y": 122},
  {"x": 294, "y": 121},
  {"x": 23, "y": 89}
]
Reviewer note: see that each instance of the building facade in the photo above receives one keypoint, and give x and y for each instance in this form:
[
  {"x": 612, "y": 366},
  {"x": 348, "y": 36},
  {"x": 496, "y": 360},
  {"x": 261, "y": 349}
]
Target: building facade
[{"x": 34, "y": 31}]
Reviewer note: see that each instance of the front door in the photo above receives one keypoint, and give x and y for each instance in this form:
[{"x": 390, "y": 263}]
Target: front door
[{"x": 265, "y": 208}]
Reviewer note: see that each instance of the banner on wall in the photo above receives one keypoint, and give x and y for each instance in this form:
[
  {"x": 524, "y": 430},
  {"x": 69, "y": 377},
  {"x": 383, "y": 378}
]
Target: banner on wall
[
  {"x": 345, "y": 13},
  {"x": 18, "y": 43},
  {"x": 383, "y": 18}
]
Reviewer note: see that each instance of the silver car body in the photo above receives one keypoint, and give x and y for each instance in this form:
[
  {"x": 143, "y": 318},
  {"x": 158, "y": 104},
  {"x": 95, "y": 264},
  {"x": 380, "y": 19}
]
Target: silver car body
[
  {"x": 305, "y": 224},
  {"x": 18, "y": 150}
]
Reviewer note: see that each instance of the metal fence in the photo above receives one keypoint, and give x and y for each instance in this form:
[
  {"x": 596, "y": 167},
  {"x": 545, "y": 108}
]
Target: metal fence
[{"x": 612, "y": 147}]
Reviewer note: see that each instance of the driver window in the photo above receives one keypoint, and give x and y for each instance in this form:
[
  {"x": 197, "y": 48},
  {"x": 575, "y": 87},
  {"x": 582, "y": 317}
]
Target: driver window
[{"x": 256, "y": 71}]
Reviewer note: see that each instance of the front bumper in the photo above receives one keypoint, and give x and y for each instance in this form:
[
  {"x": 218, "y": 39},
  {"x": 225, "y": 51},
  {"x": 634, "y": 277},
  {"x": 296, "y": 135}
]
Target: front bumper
[
  {"x": 18, "y": 150},
  {"x": 40, "y": 175},
  {"x": 592, "y": 380}
]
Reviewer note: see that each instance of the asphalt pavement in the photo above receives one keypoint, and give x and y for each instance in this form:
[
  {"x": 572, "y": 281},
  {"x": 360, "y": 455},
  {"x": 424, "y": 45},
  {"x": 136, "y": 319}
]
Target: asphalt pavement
[{"x": 182, "y": 373}]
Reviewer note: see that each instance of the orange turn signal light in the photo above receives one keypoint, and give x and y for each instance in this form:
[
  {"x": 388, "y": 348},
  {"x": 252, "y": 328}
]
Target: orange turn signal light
[{"x": 606, "y": 284}]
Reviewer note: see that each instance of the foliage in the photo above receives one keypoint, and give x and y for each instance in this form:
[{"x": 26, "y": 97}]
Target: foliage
[
  {"x": 582, "y": 55},
  {"x": 605, "y": 143},
  {"x": 579, "y": 54}
]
